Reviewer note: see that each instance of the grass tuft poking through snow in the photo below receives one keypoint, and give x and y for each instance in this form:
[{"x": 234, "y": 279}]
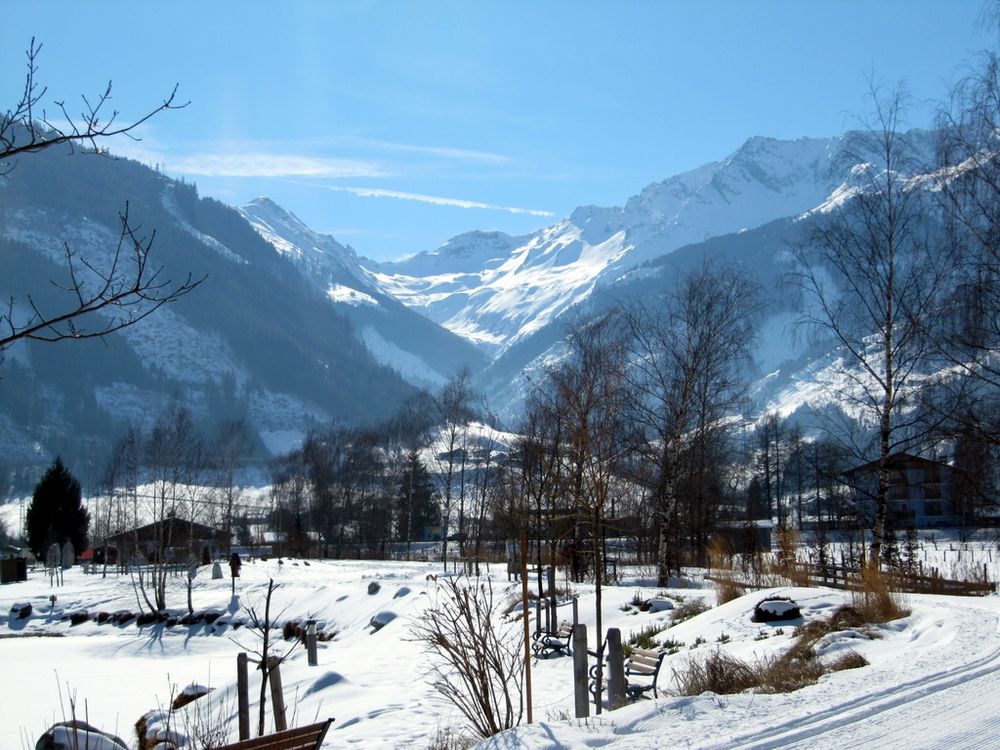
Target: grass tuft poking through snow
[
  {"x": 876, "y": 601},
  {"x": 800, "y": 665}
]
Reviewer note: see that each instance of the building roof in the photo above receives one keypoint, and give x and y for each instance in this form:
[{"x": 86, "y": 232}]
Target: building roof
[
  {"x": 895, "y": 461},
  {"x": 176, "y": 529}
]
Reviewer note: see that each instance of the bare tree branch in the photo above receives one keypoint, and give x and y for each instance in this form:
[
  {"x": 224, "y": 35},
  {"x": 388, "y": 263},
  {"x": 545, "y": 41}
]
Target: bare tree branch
[{"x": 98, "y": 301}]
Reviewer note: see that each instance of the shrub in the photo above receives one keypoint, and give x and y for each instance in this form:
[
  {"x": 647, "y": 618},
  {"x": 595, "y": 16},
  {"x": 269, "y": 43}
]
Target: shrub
[
  {"x": 687, "y": 609},
  {"x": 645, "y": 638},
  {"x": 473, "y": 664}
]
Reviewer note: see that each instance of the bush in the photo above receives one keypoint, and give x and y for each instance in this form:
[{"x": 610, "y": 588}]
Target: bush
[
  {"x": 474, "y": 665},
  {"x": 687, "y": 609},
  {"x": 645, "y": 638}
]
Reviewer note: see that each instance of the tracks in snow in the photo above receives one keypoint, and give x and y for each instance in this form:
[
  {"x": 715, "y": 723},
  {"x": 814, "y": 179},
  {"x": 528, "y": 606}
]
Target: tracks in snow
[{"x": 872, "y": 720}]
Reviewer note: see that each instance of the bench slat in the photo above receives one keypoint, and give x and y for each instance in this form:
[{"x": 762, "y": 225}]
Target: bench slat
[{"x": 301, "y": 738}]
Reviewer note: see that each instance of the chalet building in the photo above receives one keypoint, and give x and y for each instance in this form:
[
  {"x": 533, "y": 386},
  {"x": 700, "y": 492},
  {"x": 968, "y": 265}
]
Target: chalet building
[
  {"x": 919, "y": 493},
  {"x": 171, "y": 539}
]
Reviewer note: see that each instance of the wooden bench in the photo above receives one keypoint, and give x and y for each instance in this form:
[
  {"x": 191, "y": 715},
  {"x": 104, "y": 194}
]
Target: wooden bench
[
  {"x": 301, "y": 738},
  {"x": 643, "y": 663},
  {"x": 547, "y": 643}
]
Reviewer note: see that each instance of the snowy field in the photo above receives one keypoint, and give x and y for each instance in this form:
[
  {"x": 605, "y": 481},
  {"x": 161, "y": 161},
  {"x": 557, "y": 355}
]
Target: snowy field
[{"x": 931, "y": 683}]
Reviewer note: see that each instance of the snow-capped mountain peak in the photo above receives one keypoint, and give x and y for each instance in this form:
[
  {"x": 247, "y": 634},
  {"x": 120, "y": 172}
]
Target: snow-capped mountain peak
[{"x": 495, "y": 290}]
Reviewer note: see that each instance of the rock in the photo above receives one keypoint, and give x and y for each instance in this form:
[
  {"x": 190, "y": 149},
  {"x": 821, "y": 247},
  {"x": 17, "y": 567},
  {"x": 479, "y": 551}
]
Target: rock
[
  {"x": 380, "y": 620},
  {"x": 69, "y": 735},
  {"x": 20, "y": 610},
  {"x": 374, "y": 587},
  {"x": 776, "y": 609},
  {"x": 658, "y": 605}
]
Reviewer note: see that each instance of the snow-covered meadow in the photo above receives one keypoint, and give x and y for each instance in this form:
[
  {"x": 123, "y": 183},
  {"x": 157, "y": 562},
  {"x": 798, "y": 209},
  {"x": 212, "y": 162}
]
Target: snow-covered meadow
[{"x": 931, "y": 681}]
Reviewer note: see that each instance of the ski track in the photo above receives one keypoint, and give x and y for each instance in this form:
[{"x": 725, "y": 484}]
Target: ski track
[{"x": 942, "y": 709}]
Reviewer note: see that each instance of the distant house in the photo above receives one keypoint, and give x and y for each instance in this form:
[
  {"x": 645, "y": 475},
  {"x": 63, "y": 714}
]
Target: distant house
[
  {"x": 170, "y": 539},
  {"x": 919, "y": 494}
]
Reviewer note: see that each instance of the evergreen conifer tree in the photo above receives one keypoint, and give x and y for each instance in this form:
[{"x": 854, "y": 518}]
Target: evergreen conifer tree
[{"x": 56, "y": 512}]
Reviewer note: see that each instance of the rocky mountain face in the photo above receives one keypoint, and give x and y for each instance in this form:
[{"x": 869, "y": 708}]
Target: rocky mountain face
[
  {"x": 283, "y": 332},
  {"x": 423, "y": 353}
]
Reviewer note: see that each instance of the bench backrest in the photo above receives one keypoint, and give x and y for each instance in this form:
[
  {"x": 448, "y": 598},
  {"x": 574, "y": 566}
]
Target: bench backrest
[
  {"x": 644, "y": 661},
  {"x": 301, "y": 738}
]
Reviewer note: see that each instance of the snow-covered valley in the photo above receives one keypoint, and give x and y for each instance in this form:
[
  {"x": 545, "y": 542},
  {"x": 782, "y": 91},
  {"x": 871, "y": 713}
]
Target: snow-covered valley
[{"x": 930, "y": 682}]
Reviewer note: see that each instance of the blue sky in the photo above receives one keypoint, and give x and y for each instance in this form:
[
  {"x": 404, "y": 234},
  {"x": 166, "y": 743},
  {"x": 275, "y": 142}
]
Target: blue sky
[{"x": 397, "y": 125}]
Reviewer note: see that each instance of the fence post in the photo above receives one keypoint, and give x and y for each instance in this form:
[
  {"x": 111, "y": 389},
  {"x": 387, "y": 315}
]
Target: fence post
[
  {"x": 616, "y": 670},
  {"x": 277, "y": 699},
  {"x": 311, "y": 642},
  {"x": 552, "y": 597},
  {"x": 582, "y": 700},
  {"x": 243, "y": 695}
]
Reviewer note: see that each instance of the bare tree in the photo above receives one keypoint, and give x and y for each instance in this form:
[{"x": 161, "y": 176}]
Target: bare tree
[
  {"x": 97, "y": 301},
  {"x": 173, "y": 457},
  {"x": 888, "y": 280},
  {"x": 689, "y": 356},
  {"x": 455, "y": 411},
  {"x": 588, "y": 394},
  {"x": 477, "y": 666},
  {"x": 969, "y": 189},
  {"x": 232, "y": 444}
]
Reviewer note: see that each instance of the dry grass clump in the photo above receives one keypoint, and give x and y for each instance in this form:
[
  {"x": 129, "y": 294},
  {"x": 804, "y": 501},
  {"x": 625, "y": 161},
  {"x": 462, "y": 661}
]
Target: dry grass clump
[
  {"x": 686, "y": 610},
  {"x": 875, "y": 601},
  {"x": 796, "y": 668},
  {"x": 787, "y": 563},
  {"x": 727, "y": 588},
  {"x": 719, "y": 672},
  {"x": 847, "y": 660},
  {"x": 447, "y": 738},
  {"x": 725, "y": 674},
  {"x": 725, "y": 578}
]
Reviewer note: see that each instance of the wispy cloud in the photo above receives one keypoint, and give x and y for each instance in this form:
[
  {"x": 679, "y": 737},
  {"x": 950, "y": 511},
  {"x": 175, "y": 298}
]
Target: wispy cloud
[
  {"x": 436, "y": 200},
  {"x": 265, "y": 164},
  {"x": 442, "y": 152},
  {"x": 247, "y": 158}
]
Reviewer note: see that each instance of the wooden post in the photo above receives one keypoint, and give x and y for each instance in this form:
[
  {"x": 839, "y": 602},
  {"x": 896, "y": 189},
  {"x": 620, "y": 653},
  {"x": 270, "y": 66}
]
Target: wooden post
[
  {"x": 277, "y": 699},
  {"x": 243, "y": 695},
  {"x": 554, "y": 624},
  {"x": 616, "y": 670},
  {"x": 582, "y": 699},
  {"x": 527, "y": 621},
  {"x": 311, "y": 642}
]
